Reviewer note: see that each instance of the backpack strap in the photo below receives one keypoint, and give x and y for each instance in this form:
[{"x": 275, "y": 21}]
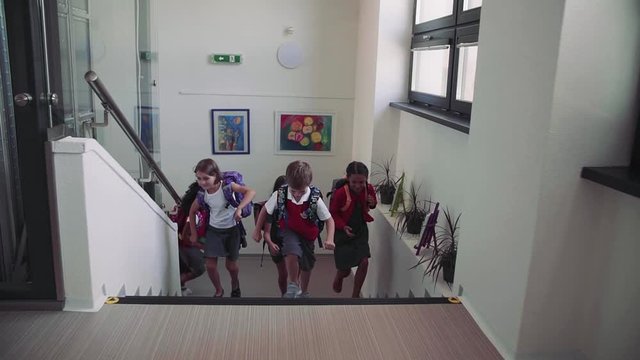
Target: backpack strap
[
  {"x": 280, "y": 209},
  {"x": 313, "y": 214},
  {"x": 347, "y": 202},
  {"x": 200, "y": 200},
  {"x": 313, "y": 204},
  {"x": 228, "y": 194}
]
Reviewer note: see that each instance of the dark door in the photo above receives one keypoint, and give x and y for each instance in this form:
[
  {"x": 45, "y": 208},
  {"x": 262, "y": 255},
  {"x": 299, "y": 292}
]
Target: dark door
[{"x": 31, "y": 92}]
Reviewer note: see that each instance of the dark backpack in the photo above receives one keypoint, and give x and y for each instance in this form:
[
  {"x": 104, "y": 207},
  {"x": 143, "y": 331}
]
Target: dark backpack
[
  {"x": 337, "y": 184},
  {"x": 280, "y": 212},
  {"x": 182, "y": 212}
]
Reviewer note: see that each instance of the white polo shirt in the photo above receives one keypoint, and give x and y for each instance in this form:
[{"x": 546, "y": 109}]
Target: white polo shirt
[{"x": 323, "y": 212}]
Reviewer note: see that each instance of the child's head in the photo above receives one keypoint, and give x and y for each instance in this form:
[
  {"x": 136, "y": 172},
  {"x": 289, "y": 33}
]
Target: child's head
[
  {"x": 207, "y": 173},
  {"x": 280, "y": 180},
  {"x": 189, "y": 196},
  {"x": 298, "y": 178},
  {"x": 357, "y": 174}
]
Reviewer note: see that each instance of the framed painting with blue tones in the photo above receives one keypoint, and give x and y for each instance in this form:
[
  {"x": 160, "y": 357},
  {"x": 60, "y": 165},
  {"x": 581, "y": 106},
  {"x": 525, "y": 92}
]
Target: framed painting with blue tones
[
  {"x": 149, "y": 127},
  {"x": 230, "y": 131}
]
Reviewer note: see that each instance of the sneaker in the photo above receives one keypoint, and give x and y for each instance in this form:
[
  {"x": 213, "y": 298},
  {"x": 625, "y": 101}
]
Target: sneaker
[
  {"x": 293, "y": 290},
  {"x": 235, "y": 293},
  {"x": 304, "y": 295},
  {"x": 186, "y": 291}
]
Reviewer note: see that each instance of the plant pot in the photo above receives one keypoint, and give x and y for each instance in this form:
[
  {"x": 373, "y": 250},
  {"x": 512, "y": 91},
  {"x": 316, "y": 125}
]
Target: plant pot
[
  {"x": 448, "y": 270},
  {"x": 386, "y": 195},
  {"x": 415, "y": 225}
]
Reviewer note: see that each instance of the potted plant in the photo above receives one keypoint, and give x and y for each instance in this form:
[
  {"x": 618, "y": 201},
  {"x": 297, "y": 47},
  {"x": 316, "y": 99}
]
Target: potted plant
[
  {"x": 386, "y": 183},
  {"x": 411, "y": 218},
  {"x": 445, "y": 250},
  {"x": 398, "y": 198}
]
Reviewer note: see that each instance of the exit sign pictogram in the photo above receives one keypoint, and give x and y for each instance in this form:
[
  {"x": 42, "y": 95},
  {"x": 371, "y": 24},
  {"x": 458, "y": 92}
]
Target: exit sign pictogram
[{"x": 226, "y": 59}]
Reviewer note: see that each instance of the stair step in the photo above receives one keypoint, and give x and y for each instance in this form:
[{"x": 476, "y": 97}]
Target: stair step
[{"x": 204, "y": 300}]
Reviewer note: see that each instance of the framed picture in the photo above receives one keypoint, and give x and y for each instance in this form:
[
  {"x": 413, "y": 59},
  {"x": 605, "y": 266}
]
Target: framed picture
[
  {"x": 230, "y": 131},
  {"x": 305, "y": 133},
  {"x": 148, "y": 126}
]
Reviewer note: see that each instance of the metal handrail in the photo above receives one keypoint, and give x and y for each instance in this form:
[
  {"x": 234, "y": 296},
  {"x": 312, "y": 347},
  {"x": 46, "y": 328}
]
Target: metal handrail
[{"x": 110, "y": 105}]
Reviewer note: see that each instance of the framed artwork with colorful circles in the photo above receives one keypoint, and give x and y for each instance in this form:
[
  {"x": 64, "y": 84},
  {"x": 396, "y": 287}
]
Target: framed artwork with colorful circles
[{"x": 305, "y": 133}]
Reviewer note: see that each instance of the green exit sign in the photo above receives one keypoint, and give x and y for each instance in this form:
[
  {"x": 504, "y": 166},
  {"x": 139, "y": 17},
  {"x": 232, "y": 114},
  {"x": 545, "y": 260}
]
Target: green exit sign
[{"x": 226, "y": 59}]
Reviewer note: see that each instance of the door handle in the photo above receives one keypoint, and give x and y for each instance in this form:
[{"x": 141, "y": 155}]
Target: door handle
[
  {"x": 23, "y": 99},
  {"x": 49, "y": 99}
]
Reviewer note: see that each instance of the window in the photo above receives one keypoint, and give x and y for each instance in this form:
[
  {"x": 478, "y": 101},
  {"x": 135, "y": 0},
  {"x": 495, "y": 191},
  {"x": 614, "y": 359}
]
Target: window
[
  {"x": 444, "y": 49},
  {"x": 634, "y": 168}
]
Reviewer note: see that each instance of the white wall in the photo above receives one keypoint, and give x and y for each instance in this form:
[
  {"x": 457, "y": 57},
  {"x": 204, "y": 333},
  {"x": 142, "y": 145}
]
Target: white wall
[
  {"x": 546, "y": 258},
  {"x": 190, "y": 86},
  {"x": 114, "y": 58},
  {"x": 114, "y": 239},
  {"x": 509, "y": 124},
  {"x": 586, "y": 233},
  {"x": 365, "y": 84},
  {"x": 392, "y": 73},
  {"x": 434, "y": 157}
]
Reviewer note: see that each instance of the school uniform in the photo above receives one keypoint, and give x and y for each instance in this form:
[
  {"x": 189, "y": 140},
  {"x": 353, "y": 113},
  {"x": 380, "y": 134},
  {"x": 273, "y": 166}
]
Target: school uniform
[
  {"x": 296, "y": 230},
  {"x": 352, "y": 211}
]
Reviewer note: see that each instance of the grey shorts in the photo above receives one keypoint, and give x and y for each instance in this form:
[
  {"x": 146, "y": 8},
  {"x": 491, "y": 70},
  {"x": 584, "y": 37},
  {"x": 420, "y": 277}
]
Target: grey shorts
[
  {"x": 294, "y": 244},
  {"x": 222, "y": 243},
  {"x": 192, "y": 259}
]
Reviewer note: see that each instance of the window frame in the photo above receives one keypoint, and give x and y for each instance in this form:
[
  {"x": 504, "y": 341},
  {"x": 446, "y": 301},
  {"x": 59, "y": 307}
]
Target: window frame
[
  {"x": 465, "y": 34},
  {"x": 634, "y": 165},
  {"x": 439, "y": 37},
  {"x": 460, "y": 27}
]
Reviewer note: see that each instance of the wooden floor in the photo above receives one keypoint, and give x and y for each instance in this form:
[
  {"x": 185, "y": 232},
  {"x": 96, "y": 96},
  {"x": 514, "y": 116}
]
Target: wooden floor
[{"x": 392, "y": 332}]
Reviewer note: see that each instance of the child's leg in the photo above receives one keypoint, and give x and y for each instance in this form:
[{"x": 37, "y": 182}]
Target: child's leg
[
  {"x": 184, "y": 277},
  {"x": 212, "y": 271},
  {"x": 305, "y": 277},
  {"x": 358, "y": 280},
  {"x": 232, "y": 238},
  {"x": 307, "y": 261},
  {"x": 282, "y": 276},
  {"x": 337, "y": 280},
  {"x": 291, "y": 261},
  {"x": 232, "y": 267},
  {"x": 193, "y": 262}
]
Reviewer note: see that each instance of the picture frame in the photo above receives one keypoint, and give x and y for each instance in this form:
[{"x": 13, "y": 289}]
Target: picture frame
[
  {"x": 305, "y": 133},
  {"x": 149, "y": 127},
  {"x": 230, "y": 131}
]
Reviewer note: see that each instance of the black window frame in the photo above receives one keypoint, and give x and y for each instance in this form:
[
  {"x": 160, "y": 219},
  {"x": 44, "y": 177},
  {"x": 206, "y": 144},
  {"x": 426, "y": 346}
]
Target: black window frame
[
  {"x": 459, "y": 27},
  {"x": 634, "y": 166}
]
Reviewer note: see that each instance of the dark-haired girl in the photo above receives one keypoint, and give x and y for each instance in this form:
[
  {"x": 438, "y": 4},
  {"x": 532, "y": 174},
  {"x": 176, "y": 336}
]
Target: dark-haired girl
[{"x": 349, "y": 208}]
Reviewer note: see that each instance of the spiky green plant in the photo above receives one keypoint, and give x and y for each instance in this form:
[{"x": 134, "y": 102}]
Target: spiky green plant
[
  {"x": 445, "y": 250},
  {"x": 411, "y": 218},
  {"x": 399, "y": 197}
]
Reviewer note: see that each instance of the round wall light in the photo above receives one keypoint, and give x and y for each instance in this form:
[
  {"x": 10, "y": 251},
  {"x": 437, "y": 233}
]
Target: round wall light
[{"x": 290, "y": 55}]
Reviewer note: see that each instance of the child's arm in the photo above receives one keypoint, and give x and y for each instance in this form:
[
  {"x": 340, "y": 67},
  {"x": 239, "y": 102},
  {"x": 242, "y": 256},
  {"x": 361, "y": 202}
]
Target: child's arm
[
  {"x": 267, "y": 238},
  {"x": 371, "y": 199},
  {"x": 330, "y": 225},
  {"x": 257, "y": 232},
  {"x": 192, "y": 221},
  {"x": 248, "y": 193},
  {"x": 325, "y": 215},
  {"x": 337, "y": 202}
]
